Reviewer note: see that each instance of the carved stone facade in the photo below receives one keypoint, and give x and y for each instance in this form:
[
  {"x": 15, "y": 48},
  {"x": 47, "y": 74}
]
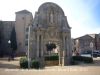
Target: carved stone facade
[{"x": 50, "y": 25}]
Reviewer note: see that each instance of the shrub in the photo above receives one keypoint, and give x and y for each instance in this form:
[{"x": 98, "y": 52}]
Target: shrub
[
  {"x": 78, "y": 58},
  {"x": 35, "y": 64},
  {"x": 88, "y": 60},
  {"x": 23, "y": 63},
  {"x": 81, "y": 58},
  {"x": 47, "y": 57},
  {"x": 53, "y": 57}
]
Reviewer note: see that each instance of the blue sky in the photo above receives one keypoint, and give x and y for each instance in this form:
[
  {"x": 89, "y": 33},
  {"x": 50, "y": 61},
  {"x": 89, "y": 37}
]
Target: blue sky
[{"x": 83, "y": 15}]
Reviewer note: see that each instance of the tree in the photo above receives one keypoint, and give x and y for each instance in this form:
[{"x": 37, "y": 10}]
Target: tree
[
  {"x": 13, "y": 39},
  {"x": 50, "y": 47}
]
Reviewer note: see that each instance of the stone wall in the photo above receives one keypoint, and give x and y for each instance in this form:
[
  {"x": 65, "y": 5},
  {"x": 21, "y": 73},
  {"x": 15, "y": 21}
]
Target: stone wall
[{"x": 52, "y": 63}]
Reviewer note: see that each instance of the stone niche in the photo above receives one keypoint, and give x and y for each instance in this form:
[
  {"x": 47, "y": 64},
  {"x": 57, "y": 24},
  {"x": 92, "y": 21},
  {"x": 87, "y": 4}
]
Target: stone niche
[{"x": 50, "y": 25}]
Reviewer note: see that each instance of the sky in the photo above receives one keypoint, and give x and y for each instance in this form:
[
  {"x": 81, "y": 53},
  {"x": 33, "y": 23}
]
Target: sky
[{"x": 83, "y": 15}]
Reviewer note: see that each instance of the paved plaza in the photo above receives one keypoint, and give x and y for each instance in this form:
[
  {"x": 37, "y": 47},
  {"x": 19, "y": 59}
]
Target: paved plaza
[{"x": 12, "y": 68}]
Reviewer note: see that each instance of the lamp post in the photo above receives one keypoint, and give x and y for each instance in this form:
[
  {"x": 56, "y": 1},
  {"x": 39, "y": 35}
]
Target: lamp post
[
  {"x": 9, "y": 42},
  {"x": 28, "y": 49},
  {"x": 91, "y": 46},
  {"x": 29, "y": 44}
]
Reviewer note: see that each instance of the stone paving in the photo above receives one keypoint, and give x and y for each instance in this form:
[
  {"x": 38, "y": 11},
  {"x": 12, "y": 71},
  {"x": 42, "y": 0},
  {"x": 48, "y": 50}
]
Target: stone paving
[{"x": 12, "y": 68}]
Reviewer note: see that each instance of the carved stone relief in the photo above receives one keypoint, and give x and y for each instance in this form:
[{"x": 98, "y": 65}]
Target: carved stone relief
[
  {"x": 52, "y": 33},
  {"x": 51, "y": 17},
  {"x": 42, "y": 32},
  {"x": 46, "y": 34},
  {"x": 57, "y": 35},
  {"x": 64, "y": 34}
]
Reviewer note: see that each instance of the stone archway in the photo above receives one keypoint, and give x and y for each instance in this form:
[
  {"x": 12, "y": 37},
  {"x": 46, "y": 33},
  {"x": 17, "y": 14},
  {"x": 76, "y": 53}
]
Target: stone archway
[
  {"x": 45, "y": 29},
  {"x": 58, "y": 51}
]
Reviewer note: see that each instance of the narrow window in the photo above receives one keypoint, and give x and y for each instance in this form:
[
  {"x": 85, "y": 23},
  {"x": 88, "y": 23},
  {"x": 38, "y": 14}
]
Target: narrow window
[
  {"x": 27, "y": 29},
  {"x": 26, "y": 36},
  {"x": 26, "y": 43}
]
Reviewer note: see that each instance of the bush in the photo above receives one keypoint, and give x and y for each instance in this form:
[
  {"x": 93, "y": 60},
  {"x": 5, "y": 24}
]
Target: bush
[
  {"x": 23, "y": 63},
  {"x": 81, "y": 58},
  {"x": 78, "y": 58},
  {"x": 53, "y": 57},
  {"x": 88, "y": 60},
  {"x": 35, "y": 64}
]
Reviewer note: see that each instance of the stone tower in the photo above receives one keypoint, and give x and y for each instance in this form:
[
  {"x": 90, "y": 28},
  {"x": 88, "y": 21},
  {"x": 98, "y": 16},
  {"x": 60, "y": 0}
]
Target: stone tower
[{"x": 23, "y": 18}]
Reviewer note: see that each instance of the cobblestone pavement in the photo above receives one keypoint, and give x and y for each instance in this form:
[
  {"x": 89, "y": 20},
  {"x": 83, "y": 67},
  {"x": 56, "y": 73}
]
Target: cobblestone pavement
[{"x": 12, "y": 68}]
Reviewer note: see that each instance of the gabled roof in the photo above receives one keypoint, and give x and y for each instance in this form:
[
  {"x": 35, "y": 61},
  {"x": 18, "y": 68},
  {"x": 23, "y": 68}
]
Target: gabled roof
[
  {"x": 87, "y": 35},
  {"x": 92, "y": 35},
  {"x": 23, "y": 11}
]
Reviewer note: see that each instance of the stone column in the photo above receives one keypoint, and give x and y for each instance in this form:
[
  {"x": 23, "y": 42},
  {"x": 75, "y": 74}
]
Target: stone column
[
  {"x": 37, "y": 46},
  {"x": 67, "y": 47},
  {"x": 64, "y": 52},
  {"x": 42, "y": 46},
  {"x": 59, "y": 53},
  {"x": 63, "y": 46},
  {"x": 68, "y": 50},
  {"x": 70, "y": 47}
]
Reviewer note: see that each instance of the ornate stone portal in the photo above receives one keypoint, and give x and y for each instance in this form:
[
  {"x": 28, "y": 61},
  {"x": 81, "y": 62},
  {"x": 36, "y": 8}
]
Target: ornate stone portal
[{"x": 50, "y": 25}]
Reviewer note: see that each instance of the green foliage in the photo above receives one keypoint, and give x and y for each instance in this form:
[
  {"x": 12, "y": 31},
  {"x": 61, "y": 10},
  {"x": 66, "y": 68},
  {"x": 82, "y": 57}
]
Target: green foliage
[
  {"x": 35, "y": 64},
  {"x": 88, "y": 60},
  {"x": 81, "y": 58},
  {"x": 53, "y": 57},
  {"x": 78, "y": 58},
  {"x": 13, "y": 39},
  {"x": 50, "y": 46},
  {"x": 23, "y": 63}
]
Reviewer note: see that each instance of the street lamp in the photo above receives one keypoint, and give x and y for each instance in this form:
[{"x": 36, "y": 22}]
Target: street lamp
[
  {"x": 29, "y": 44},
  {"x": 91, "y": 46},
  {"x": 9, "y": 43}
]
